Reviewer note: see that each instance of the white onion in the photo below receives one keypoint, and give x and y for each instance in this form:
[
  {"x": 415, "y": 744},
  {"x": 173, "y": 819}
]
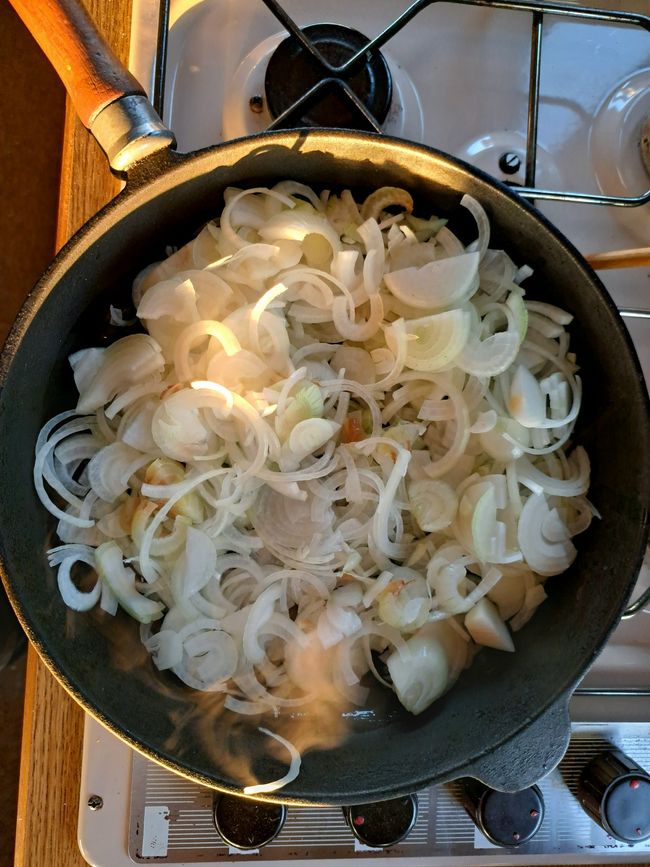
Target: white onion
[
  {"x": 77, "y": 600},
  {"x": 545, "y": 556},
  {"x": 292, "y": 773},
  {"x": 437, "y": 285},
  {"x": 436, "y": 340},
  {"x": 111, "y": 468},
  {"x": 125, "y": 363},
  {"x": 482, "y": 224},
  {"x": 342, "y": 434}
]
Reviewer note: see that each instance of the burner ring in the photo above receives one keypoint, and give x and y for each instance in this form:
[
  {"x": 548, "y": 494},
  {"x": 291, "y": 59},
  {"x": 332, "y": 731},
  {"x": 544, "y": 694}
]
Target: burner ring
[
  {"x": 243, "y": 823},
  {"x": 615, "y": 137},
  {"x": 293, "y": 73}
]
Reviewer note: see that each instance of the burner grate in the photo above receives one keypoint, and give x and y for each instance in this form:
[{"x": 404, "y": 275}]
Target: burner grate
[
  {"x": 327, "y": 78},
  {"x": 367, "y": 120}
]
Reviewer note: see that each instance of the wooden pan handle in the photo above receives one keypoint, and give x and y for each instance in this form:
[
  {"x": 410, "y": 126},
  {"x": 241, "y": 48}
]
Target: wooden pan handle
[
  {"x": 638, "y": 258},
  {"x": 90, "y": 71},
  {"x": 107, "y": 98}
]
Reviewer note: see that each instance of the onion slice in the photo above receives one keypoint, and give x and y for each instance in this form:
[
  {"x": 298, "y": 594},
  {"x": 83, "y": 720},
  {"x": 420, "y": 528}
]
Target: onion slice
[{"x": 292, "y": 773}]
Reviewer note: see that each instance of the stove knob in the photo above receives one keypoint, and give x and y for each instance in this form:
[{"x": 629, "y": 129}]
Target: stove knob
[
  {"x": 246, "y": 824},
  {"x": 505, "y": 818},
  {"x": 615, "y": 792},
  {"x": 384, "y": 823}
]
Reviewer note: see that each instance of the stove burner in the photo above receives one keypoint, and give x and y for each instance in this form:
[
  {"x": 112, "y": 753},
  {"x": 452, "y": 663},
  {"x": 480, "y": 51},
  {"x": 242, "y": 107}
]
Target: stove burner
[
  {"x": 324, "y": 92},
  {"x": 616, "y": 137},
  {"x": 246, "y": 824},
  {"x": 384, "y": 823}
]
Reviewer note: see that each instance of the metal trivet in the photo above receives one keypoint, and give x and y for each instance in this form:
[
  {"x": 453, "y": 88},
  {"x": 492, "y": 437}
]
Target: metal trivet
[{"x": 537, "y": 8}]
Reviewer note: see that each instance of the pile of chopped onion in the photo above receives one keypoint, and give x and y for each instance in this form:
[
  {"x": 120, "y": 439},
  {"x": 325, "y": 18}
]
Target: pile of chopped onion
[{"x": 343, "y": 431}]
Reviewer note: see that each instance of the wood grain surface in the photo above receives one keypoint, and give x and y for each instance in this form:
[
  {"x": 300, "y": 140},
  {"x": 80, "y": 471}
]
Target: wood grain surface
[
  {"x": 48, "y": 800},
  {"x": 83, "y": 59},
  {"x": 53, "y": 723}
]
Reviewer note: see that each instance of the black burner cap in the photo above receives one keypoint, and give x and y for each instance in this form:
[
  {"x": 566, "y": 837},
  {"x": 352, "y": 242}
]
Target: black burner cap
[
  {"x": 246, "y": 824},
  {"x": 292, "y": 71}
]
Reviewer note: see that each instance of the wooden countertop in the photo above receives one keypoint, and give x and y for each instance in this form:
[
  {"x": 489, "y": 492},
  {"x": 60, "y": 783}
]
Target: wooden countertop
[
  {"x": 48, "y": 799},
  {"x": 46, "y": 833}
]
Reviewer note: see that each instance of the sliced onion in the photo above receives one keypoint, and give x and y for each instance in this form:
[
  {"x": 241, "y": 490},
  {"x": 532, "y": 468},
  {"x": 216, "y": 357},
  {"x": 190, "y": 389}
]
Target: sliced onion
[
  {"x": 111, "y": 468},
  {"x": 309, "y": 435},
  {"x": 437, "y": 285},
  {"x": 261, "y": 539},
  {"x": 292, "y": 773},
  {"x": 356, "y": 362},
  {"x": 538, "y": 481},
  {"x": 544, "y": 556},
  {"x": 209, "y": 656},
  {"x": 260, "y": 613},
  {"x": 121, "y": 580},
  {"x": 555, "y": 314},
  {"x": 166, "y": 649},
  {"x": 195, "y": 566},
  {"x": 353, "y": 329},
  {"x": 229, "y": 212},
  {"x": 381, "y": 519},
  {"x": 124, "y": 363},
  {"x": 482, "y": 223},
  {"x": 434, "y": 341},
  {"x": 526, "y": 402},
  {"x": 195, "y": 332},
  {"x": 169, "y": 298},
  {"x": 494, "y": 354},
  {"x": 421, "y": 674},
  {"x": 85, "y": 365},
  {"x": 296, "y": 225},
  {"x": 434, "y": 504},
  {"x": 40, "y": 462},
  {"x": 77, "y": 600}
]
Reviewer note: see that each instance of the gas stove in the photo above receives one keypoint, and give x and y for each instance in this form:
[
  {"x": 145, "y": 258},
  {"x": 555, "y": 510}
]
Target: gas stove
[{"x": 550, "y": 98}]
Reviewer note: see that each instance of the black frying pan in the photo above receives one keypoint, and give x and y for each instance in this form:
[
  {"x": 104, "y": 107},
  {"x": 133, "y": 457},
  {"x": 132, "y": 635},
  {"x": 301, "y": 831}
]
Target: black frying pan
[{"x": 506, "y": 720}]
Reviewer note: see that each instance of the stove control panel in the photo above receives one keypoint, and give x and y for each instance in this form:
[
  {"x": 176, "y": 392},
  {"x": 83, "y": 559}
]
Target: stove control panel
[{"x": 592, "y": 807}]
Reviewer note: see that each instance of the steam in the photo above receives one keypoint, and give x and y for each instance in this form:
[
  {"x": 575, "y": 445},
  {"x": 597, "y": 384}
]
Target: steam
[
  {"x": 244, "y": 753},
  {"x": 250, "y": 751}
]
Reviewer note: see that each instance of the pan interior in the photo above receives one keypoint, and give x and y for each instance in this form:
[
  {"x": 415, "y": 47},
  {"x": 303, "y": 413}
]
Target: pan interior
[{"x": 386, "y": 751}]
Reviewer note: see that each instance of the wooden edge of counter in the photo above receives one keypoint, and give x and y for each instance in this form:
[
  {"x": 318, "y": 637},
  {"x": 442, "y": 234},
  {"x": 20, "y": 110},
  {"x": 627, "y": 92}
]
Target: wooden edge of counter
[{"x": 48, "y": 797}]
